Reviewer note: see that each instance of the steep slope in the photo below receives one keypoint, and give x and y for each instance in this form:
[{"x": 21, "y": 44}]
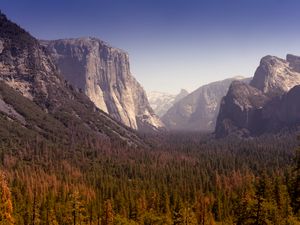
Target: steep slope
[
  {"x": 282, "y": 112},
  {"x": 161, "y": 101},
  {"x": 198, "y": 110},
  {"x": 240, "y": 110},
  {"x": 103, "y": 73},
  {"x": 276, "y": 76},
  {"x": 28, "y": 69},
  {"x": 274, "y": 88}
]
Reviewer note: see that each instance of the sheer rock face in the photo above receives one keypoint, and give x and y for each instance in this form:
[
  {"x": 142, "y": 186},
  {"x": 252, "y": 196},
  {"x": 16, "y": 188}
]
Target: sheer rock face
[
  {"x": 240, "y": 110},
  {"x": 276, "y": 76},
  {"x": 24, "y": 64},
  {"x": 268, "y": 104},
  {"x": 103, "y": 73},
  {"x": 198, "y": 110},
  {"x": 283, "y": 111},
  {"x": 27, "y": 67}
]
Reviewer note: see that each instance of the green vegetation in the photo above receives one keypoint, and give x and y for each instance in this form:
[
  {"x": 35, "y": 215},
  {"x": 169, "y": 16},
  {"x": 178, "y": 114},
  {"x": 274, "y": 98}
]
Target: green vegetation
[{"x": 185, "y": 179}]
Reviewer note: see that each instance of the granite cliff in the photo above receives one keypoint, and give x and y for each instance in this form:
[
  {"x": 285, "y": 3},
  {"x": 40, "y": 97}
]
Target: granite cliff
[
  {"x": 36, "y": 97},
  {"x": 103, "y": 74},
  {"x": 268, "y": 104}
]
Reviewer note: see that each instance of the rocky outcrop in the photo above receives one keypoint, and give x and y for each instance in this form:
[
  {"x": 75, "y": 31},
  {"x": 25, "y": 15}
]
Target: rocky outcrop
[
  {"x": 24, "y": 65},
  {"x": 294, "y": 62},
  {"x": 268, "y": 104},
  {"x": 28, "y": 69},
  {"x": 240, "y": 110},
  {"x": 103, "y": 73},
  {"x": 276, "y": 76},
  {"x": 198, "y": 110},
  {"x": 282, "y": 112},
  {"x": 161, "y": 102}
]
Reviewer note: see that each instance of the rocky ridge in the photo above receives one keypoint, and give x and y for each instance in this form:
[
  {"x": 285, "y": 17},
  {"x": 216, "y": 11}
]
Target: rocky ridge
[
  {"x": 161, "y": 101},
  {"x": 268, "y": 104},
  {"x": 103, "y": 74},
  {"x": 198, "y": 110},
  {"x": 28, "y": 69}
]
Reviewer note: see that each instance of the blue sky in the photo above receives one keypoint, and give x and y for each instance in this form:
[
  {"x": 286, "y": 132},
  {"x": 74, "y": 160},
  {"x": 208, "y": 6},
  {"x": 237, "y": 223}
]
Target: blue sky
[{"x": 172, "y": 44}]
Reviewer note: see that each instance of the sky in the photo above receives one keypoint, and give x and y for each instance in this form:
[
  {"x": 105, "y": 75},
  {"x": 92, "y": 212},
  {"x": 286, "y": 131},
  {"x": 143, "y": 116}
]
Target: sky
[{"x": 172, "y": 44}]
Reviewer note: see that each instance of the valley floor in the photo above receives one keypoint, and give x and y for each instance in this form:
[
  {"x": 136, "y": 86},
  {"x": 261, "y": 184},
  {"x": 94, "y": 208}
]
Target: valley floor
[{"x": 181, "y": 179}]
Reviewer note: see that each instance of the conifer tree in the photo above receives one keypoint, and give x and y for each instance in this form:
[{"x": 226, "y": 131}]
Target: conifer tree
[
  {"x": 6, "y": 208},
  {"x": 178, "y": 217},
  {"x": 108, "y": 216},
  {"x": 295, "y": 189}
]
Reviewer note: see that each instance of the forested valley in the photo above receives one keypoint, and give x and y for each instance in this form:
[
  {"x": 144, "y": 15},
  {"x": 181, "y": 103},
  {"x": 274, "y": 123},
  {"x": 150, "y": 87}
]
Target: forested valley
[
  {"x": 65, "y": 160},
  {"x": 179, "y": 178}
]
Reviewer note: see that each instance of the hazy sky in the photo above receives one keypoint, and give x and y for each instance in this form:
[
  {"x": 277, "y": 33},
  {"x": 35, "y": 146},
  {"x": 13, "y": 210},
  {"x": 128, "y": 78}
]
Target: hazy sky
[{"x": 172, "y": 44}]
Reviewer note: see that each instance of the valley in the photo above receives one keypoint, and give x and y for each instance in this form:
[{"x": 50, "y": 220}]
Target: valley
[{"x": 82, "y": 143}]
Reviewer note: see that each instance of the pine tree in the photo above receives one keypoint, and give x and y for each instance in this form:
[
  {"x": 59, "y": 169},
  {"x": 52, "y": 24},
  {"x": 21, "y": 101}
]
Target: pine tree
[
  {"x": 189, "y": 217},
  {"x": 177, "y": 214},
  {"x": 282, "y": 200},
  {"x": 203, "y": 207},
  {"x": 296, "y": 183},
  {"x": 6, "y": 208},
  {"x": 108, "y": 216},
  {"x": 78, "y": 210}
]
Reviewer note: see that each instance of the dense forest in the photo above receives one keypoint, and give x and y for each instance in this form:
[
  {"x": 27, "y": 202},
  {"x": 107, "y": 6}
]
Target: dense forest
[
  {"x": 65, "y": 162},
  {"x": 180, "y": 179}
]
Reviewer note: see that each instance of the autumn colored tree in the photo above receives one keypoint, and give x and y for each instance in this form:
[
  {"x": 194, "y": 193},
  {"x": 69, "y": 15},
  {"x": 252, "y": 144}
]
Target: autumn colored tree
[
  {"x": 108, "y": 215},
  {"x": 6, "y": 208},
  {"x": 203, "y": 209},
  {"x": 78, "y": 208}
]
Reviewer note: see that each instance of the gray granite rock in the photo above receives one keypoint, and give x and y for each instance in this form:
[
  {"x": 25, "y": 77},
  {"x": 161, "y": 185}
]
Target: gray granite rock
[{"x": 103, "y": 73}]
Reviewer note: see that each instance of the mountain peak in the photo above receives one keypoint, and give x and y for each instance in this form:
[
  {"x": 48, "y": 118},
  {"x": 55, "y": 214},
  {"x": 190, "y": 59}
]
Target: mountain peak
[
  {"x": 103, "y": 73},
  {"x": 275, "y": 76},
  {"x": 268, "y": 104},
  {"x": 198, "y": 110},
  {"x": 181, "y": 95},
  {"x": 183, "y": 91},
  {"x": 238, "y": 77},
  {"x": 28, "y": 72},
  {"x": 270, "y": 59}
]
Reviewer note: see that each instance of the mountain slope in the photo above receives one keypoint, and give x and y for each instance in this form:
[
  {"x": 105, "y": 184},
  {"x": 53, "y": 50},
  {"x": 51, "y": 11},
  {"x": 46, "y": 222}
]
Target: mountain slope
[
  {"x": 198, "y": 110},
  {"x": 27, "y": 68},
  {"x": 161, "y": 102},
  {"x": 275, "y": 76},
  {"x": 242, "y": 105},
  {"x": 268, "y": 104},
  {"x": 103, "y": 73}
]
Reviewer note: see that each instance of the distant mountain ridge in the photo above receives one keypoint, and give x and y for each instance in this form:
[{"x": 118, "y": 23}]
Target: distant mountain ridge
[
  {"x": 161, "y": 101},
  {"x": 103, "y": 74},
  {"x": 270, "y": 103},
  {"x": 198, "y": 110}
]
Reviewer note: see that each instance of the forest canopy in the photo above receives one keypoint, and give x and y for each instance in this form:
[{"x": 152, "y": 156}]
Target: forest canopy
[{"x": 182, "y": 179}]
